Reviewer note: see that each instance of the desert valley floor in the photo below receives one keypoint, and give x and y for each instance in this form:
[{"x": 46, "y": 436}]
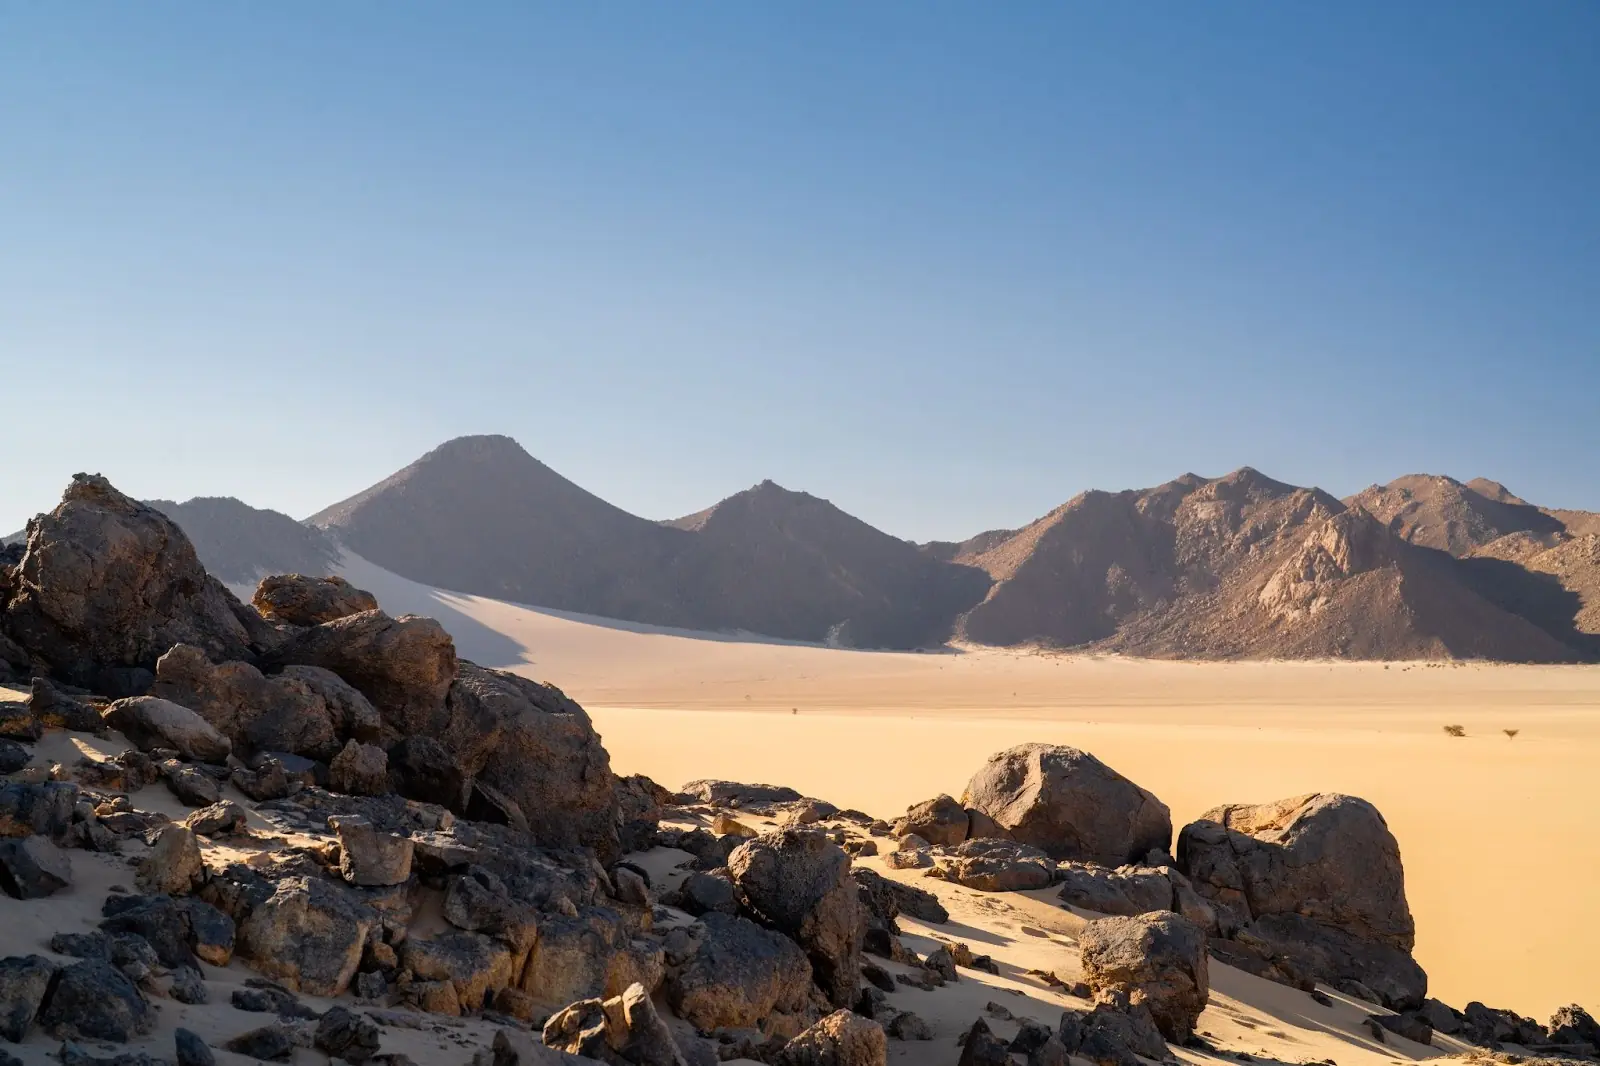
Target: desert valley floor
[{"x": 1497, "y": 833}]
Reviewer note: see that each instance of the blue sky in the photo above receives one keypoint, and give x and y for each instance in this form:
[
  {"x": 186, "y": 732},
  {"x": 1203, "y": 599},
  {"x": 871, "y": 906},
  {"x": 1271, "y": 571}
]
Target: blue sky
[{"x": 945, "y": 264}]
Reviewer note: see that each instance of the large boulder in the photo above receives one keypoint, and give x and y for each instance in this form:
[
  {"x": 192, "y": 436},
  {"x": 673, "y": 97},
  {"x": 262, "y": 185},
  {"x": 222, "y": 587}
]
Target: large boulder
[
  {"x": 308, "y": 935},
  {"x": 1158, "y": 959},
  {"x": 545, "y": 757},
  {"x": 798, "y": 881},
  {"x": 739, "y": 976},
  {"x": 93, "y": 1000},
  {"x": 1069, "y": 804},
  {"x": 157, "y": 723},
  {"x": 1316, "y": 878},
  {"x": 24, "y": 980},
  {"x": 991, "y": 865},
  {"x": 403, "y": 665},
  {"x": 108, "y": 584},
  {"x": 298, "y": 600}
]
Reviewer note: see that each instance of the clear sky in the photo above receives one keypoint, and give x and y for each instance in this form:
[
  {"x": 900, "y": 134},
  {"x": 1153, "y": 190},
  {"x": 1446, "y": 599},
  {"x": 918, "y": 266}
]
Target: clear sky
[{"x": 944, "y": 264}]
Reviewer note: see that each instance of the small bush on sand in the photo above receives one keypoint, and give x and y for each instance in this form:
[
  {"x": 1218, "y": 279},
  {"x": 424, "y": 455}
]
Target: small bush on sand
[
  {"x": 1511, "y": 733},
  {"x": 1456, "y": 730}
]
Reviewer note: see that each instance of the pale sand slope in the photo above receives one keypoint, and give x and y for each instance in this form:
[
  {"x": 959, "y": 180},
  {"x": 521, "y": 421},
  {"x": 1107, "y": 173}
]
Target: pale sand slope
[{"x": 1499, "y": 836}]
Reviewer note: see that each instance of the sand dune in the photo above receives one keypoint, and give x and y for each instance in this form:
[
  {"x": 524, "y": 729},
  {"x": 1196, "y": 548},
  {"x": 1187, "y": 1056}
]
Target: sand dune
[{"x": 1498, "y": 834}]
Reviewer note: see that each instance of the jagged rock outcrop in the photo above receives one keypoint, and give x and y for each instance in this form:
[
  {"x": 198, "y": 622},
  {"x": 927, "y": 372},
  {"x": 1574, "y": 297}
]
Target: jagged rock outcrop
[
  {"x": 157, "y": 723},
  {"x": 940, "y": 820},
  {"x": 1069, "y": 804},
  {"x": 1316, "y": 879},
  {"x": 798, "y": 881},
  {"x": 107, "y": 585},
  {"x": 843, "y": 1038},
  {"x": 298, "y": 600},
  {"x": 404, "y": 666},
  {"x": 740, "y": 975},
  {"x": 307, "y": 934}
]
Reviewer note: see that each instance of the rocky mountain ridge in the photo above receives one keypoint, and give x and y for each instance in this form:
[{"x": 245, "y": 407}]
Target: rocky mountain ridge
[{"x": 1240, "y": 566}]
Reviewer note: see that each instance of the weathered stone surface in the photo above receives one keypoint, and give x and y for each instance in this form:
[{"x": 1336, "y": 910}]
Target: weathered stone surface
[
  {"x": 477, "y": 966},
  {"x": 702, "y": 893},
  {"x": 33, "y": 867},
  {"x": 269, "y": 1043},
  {"x": 736, "y": 794},
  {"x": 639, "y": 803},
  {"x": 843, "y": 1038},
  {"x": 151, "y": 722},
  {"x": 799, "y": 881},
  {"x": 192, "y": 785},
  {"x": 108, "y": 584},
  {"x": 421, "y": 769},
  {"x": 43, "y": 809},
  {"x": 369, "y": 857},
  {"x": 1317, "y": 878},
  {"x": 572, "y": 957},
  {"x": 13, "y": 756},
  {"x": 220, "y": 819},
  {"x": 637, "y": 1033},
  {"x": 359, "y": 770},
  {"x": 1125, "y": 890},
  {"x": 940, "y": 820},
  {"x": 92, "y": 1000},
  {"x": 55, "y": 708},
  {"x": 545, "y": 756},
  {"x": 990, "y": 865},
  {"x": 738, "y": 976},
  {"x": 308, "y": 934},
  {"x": 298, "y": 600},
  {"x": 267, "y": 780},
  {"x": 257, "y": 713},
  {"x": 19, "y": 721},
  {"x": 405, "y": 666},
  {"x": 1070, "y": 804},
  {"x": 24, "y": 979},
  {"x": 1568, "y": 1025},
  {"x": 191, "y": 1048},
  {"x": 1113, "y": 1035},
  {"x": 177, "y": 929},
  {"x": 1158, "y": 959},
  {"x": 479, "y": 901},
  {"x": 173, "y": 865},
  {"x": 982, "y": 1048}
]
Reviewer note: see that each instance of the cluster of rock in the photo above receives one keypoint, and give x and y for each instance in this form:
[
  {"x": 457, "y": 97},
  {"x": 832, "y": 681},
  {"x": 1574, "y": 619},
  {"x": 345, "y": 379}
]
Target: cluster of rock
[{"x": 387, "y": 772}]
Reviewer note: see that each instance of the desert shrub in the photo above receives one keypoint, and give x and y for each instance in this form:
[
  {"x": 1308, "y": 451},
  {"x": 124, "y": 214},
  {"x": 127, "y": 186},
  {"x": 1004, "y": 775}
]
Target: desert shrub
[
  {"x": 1511, "y": 733},
  {"x": 1456, "y": 730}
]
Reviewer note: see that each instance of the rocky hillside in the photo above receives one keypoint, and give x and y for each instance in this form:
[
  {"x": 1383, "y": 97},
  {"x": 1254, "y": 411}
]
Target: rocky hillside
[
  {"x": 346, "y": 844},
  {"x": 480, "y": 515},
  {"x": 1240, "y": 567},
  {"x": 242, "y": 544}
]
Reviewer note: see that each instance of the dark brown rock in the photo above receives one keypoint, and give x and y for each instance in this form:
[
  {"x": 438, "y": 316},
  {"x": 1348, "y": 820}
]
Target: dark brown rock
[
  {"x": 1069, "y": 804},
  {"x": 1158, "y": 959},
  {"x": 298, "y": 600}
]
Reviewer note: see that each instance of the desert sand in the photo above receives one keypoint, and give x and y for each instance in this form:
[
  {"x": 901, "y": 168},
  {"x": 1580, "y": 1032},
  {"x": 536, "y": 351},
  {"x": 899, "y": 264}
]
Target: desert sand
[{"x": 1497, "y": 834}]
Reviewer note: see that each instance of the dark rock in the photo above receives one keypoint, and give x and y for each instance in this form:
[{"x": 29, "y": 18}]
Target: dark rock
[
  {"x": 1031, "y": 1036},
  {"x": 43, "y": 809},
  {"x": 1411, "y": 1025},
  {"x": 13, "y": 756},
  {"x": 289, "y": 712},
  {"x": 346, "y": 1035},
  {"x": 19, "y": 721},
  {"x": 1069, "y": 804},
  {"x": 798, "y": 881},
  {"x": 1158, "y": 959},
  {"x": 486, "y": 803},
  {"x": 188, "y": 986},
  {"x": 980, "y": 1047},
  {"x": 735, "y": 794},
  {"x": 24, "y": 980},
  {"x": 940, "y": 821},
  {"x": 309, "y": 934},
  {"x": 1316, "y": 878},
  {"x": 359, "y": 770},
  {"x": 92, "y": 1000},
  {"x": 1126, "y": 890},
  {"x": 192, "y": 1050},
  {"x": 542, "y": 752},
  {"x": 219, "y": 819},
  {"x": 173, "y": 865},
  {"x": 702, "y": 893},
  {"x": 297, "y": 600},
  {"x": 151, "y": 722},
  {"x": 33, "y": 868},
  {"x": 369, "y": 857},
  {"x": 1568, "y": 1025},
  {"x": 842, "y": 1038},
  {"x": 267, "y": 781},
  {"x": 266, "y": 997},
  {"x": 479, "y": 901},
  {"x": 82, "y": 945},
  {"x": 421, "y": 769},
  {"x": 639, "y": 803},
  {"x": 477, "y": 966},
  {"x": 991, "y": 865},
  {"x": 738, "y": 975},
  {"x": 270, "y": 1043},
  {"x": 108, "y": 584},
  {"x": 193, "y": 787},
  {"x": 53, "y": 707}
]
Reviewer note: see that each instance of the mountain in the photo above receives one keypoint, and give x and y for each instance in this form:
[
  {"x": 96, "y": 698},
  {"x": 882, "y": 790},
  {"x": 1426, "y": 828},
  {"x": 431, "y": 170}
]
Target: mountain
[
  {"x": 1441, "y": 512},
  {"x": 1238, "y": 567},
  {"x": 240, "y": 544},
  {"x": 770, "y": 560},
  {"x": 481, "y": 515}
]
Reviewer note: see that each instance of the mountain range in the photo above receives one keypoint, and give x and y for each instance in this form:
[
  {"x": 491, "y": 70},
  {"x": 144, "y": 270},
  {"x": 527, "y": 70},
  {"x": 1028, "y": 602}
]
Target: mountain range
[{"x": 1241, "y": 566}]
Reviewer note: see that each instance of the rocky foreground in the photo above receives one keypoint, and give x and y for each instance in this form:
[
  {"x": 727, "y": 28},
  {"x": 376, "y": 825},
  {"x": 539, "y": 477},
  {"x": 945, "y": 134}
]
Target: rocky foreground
[{"x": 391, "y": 855}]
